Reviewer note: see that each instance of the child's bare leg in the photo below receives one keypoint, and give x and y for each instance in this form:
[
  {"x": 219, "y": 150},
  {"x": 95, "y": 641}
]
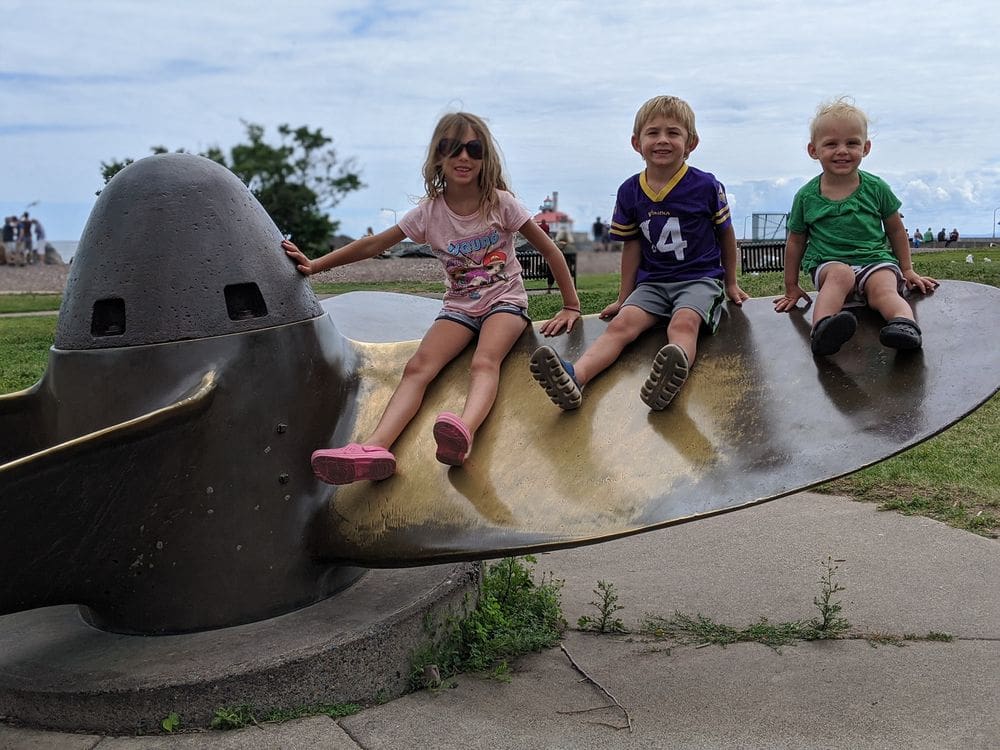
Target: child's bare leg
[
  {"x": 685, "y": 324},
  {"x": 442, "y": 343},
  {"x": 836, "y": 282},
  {"x": 882, "y": 293},
  {"x": 832, "y": 326},
  {"x": 672, "y": 363},
  {"x": 498, "y": 335},
  {"x": 901, "y": 330},
  {"x": 624, "y": 328}
]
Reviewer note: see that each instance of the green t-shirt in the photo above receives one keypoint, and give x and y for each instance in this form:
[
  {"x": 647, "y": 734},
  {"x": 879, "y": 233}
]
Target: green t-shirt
[{"x": 848, "y": 230}]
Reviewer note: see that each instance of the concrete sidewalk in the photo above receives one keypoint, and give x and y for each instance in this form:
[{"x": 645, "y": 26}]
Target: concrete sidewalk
[{"x": 902, "y": 576}]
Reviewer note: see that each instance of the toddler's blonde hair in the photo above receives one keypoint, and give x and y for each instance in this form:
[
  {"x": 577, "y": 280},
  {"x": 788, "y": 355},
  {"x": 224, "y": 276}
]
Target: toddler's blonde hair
[{"x": 841, "y": 108}]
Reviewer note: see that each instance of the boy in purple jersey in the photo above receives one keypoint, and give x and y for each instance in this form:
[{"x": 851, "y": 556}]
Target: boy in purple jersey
[{"x": 678, "y": 262}]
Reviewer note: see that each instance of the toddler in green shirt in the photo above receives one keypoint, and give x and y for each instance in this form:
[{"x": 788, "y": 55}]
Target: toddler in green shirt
[{"x": 845, "y": 231}]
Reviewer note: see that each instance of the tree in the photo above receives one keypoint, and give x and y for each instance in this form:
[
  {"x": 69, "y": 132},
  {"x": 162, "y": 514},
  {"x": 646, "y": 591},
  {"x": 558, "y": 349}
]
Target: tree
[{"x": 297, "y": 181}]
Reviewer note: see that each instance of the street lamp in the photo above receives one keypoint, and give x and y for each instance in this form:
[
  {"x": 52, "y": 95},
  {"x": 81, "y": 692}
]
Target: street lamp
[
  {"x": 995, "y": 221},
  {"x": 393, "y": 212}
]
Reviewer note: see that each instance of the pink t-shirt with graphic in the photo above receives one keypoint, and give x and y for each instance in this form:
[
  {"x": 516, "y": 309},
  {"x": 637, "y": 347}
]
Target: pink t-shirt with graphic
[{"x": 480, "y": 265}]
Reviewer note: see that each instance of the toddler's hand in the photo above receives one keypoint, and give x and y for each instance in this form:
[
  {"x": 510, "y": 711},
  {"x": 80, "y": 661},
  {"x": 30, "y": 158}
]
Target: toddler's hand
[
  {"x": 925, "y": 284},
  {"x": 790, "y": 300}
]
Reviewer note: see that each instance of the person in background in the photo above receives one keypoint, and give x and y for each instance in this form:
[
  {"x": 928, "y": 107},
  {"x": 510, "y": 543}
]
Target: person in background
[
  {"x": 953, "y": 237},
  {"x": 25, "y": 245},
  {"x": 918, "y": 239},
  {"x": 10, "y": 240},
  {"x": 598, "y": 232},
  {"x": 39, "y": 239}
]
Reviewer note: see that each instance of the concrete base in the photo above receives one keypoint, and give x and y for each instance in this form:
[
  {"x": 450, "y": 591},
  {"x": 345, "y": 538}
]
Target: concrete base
[{"x": 57, "y": 672}]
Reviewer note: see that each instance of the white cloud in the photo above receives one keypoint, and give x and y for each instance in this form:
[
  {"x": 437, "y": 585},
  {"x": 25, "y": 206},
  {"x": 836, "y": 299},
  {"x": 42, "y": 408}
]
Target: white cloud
[{"x": 559, "y": 83}]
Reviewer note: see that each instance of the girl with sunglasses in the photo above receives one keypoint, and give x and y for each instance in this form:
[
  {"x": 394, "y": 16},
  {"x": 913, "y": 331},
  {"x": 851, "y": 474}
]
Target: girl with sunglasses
[{"x": 469, "y": 218}]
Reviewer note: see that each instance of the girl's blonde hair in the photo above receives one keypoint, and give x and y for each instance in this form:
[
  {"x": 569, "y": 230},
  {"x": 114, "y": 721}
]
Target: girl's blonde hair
[
  {"x": 491, "y": 176},
  {"x": 666, "y": 106},
  {"x": 841, "y": 108}
]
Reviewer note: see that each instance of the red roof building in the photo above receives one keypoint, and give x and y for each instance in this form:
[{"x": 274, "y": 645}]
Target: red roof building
[{"x": 549, "y": 213}]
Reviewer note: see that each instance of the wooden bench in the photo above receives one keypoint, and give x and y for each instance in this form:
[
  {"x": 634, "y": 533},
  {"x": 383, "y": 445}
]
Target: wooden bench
[
  {"x": 762, "y": 256},
  {"x": 535, "y": 268}
]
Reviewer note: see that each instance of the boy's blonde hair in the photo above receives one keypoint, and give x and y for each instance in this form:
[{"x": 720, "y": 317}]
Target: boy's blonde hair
[
  {"x": 491, "y": 176},
  {"x": 841, "y": 108},
  {"x": 666, "y": 106}
]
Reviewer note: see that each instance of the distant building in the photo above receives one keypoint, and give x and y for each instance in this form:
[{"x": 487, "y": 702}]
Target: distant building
[{"x": 550, "y": 213}]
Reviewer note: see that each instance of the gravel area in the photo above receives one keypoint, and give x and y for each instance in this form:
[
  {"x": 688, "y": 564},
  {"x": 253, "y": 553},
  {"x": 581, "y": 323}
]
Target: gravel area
[
  {"x": 42, "y": 278},
  {"x": 34, "y": 278}
]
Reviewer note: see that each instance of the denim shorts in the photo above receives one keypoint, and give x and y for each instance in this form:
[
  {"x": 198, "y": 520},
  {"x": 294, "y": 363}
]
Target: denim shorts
[{"x": 475, "y": 322}]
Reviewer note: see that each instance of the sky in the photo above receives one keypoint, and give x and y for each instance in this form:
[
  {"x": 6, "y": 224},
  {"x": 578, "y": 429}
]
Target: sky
[{"x": 559, "y": 84}]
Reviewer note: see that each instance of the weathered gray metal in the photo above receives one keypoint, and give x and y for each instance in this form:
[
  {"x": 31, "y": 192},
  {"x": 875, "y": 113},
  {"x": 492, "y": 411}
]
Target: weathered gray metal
[
  {"x": 158, "y": 474},
  {"x": 177, "y": 248}
]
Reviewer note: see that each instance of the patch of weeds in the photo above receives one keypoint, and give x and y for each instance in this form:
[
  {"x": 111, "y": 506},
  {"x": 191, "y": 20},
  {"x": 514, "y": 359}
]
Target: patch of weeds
[
  {"x": 884, "y": 639},
  {"x": 233, "y": 717},
  {"x": 703, "y": 631},
  {"x": 172, "y": 722},
  {"x": 514, "y": 616},
  {"x": 333, "y": 710},
  {"x": 605, "y": 622},
  {"x": 933, "y": 635},
  {"x": 243, "y": 715}
]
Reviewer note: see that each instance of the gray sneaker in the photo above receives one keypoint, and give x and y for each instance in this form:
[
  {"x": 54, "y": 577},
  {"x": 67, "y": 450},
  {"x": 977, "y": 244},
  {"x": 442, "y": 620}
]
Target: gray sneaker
[
  {"x": 556, "y": 376},
  {"x": 669, "y": 371}
]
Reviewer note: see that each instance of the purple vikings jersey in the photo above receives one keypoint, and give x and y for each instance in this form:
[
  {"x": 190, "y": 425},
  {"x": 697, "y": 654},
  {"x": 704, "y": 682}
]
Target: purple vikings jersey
[{"x": 676, "y": 227}]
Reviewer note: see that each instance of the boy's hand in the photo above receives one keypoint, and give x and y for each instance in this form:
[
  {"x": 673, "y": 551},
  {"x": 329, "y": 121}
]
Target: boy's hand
[
  {"x": 925, "y": 284},
  {"x": 610, "y": 311},
  {"x": 736, "y": 294},
  {"x": 301, "y": 261},
  {"x": 563, "y": 320},
  {"x": 790, "y": 300}
]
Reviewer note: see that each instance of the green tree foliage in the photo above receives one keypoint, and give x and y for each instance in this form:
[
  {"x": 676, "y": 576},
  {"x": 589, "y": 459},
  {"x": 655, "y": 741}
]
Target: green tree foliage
[{"x": 297, "y": 181}]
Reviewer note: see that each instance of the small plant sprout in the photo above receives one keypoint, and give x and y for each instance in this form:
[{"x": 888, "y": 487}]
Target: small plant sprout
[{"x": 606, "y": 606}]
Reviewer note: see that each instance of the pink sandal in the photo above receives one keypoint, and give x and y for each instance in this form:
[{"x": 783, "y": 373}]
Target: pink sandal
[
  {"x": 454, "y": 441},
  {"x": 352, "y": 463}
]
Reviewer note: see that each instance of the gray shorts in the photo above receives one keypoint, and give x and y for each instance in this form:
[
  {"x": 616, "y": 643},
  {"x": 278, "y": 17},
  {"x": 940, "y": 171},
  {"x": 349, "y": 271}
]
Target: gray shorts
[
  {"x": 857, "y": 297},
  {"x": 661, "y": 298},
  {"x": 474, "y": 322}
]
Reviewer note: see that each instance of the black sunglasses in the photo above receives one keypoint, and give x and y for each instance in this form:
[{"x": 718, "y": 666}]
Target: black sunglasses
[{"x": 452, "y": 147}]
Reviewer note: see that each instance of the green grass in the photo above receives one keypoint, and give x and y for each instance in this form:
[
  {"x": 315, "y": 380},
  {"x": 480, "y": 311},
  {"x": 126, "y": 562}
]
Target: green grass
[
  {"x": 24, "y": 349},
  {"x": 241, "y": 716},
  {"x": 29, "y": 303},
  {"x": 515, "y": 615}
]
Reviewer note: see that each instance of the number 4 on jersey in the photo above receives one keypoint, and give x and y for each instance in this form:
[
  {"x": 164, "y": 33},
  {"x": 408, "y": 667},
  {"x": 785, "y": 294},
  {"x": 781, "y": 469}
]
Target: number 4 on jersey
[{"x": 670, "y": 240}]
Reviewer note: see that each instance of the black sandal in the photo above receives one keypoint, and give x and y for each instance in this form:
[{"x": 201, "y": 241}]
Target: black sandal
[
  {"x": 832, "y": 332},
  {"x": 901, "y": 333}
]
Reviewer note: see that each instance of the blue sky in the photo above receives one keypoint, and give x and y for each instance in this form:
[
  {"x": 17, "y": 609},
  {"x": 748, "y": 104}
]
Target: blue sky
[{"x": 558, "y": 82}]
